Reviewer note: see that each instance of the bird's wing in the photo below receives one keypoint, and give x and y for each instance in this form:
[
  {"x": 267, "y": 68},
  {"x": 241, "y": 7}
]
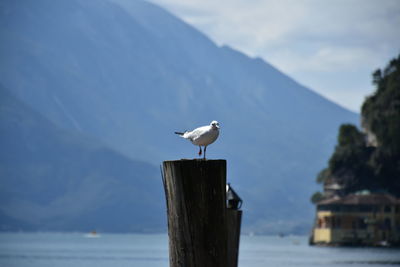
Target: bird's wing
[{"x": 196, "y": 133}]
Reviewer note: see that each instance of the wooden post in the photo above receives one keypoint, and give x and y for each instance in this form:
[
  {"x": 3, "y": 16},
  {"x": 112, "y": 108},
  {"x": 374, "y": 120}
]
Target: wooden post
[
  {"x": 234, "y": 219},
  {"x": 196, "y": 206}
]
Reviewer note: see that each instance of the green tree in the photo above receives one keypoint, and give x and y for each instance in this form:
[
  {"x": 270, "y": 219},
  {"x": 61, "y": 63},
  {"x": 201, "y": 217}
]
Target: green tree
[{"x": 349, "y": 163}]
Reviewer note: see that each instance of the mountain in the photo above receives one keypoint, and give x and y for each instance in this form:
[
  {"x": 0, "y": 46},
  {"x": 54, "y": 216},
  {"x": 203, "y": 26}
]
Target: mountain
[
  {"x": 129, "y": 74},
  {"x": 53, "y": 179}
]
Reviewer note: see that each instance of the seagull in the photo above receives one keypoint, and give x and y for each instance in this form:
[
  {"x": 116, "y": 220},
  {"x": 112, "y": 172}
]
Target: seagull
[{"x": 202, "y": 136}]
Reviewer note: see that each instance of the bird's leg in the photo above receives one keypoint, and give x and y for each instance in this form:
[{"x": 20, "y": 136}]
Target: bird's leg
[
  {"x": 200, "y": 151},
  {"x": 205, "y": 148}
]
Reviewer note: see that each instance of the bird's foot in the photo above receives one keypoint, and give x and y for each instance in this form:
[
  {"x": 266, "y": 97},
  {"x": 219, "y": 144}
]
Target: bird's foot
[{"x": 200, "y": 152}]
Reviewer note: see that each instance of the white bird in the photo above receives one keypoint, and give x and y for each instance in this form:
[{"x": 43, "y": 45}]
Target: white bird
[{"x": 202, "y": 136}]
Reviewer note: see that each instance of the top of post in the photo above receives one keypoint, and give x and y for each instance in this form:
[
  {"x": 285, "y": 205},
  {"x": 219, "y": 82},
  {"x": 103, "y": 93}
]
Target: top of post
[
  {"x": 196, "y": 163},
  {"x": 195, "y": 160}
]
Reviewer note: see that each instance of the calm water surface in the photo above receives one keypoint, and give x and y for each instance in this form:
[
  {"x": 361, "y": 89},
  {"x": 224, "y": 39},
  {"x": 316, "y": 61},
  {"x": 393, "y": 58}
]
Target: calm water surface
[{"x": 120, "y": 250}]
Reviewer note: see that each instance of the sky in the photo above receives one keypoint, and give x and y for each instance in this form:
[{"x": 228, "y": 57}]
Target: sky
[{"x": 330, "y": 46}]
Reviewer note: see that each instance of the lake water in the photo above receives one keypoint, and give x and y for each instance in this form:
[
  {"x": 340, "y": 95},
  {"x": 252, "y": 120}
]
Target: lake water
[{"x": 139, "y": 250}]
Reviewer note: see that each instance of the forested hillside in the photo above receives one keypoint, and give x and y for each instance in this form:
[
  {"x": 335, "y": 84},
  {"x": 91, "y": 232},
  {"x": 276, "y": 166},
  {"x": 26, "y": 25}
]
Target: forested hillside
[{"x": 370, "y": 159}]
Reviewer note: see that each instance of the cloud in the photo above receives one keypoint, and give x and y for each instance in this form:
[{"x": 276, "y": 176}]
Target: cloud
[
  {"x": 304, "y": 38},
  {"x": 327, "y": 58},
  {"x": 251, "y": 23}
]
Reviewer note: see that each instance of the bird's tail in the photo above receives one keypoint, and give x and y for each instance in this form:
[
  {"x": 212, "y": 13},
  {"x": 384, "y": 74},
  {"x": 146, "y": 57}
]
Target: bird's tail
[{"x": 179, "y": 133}]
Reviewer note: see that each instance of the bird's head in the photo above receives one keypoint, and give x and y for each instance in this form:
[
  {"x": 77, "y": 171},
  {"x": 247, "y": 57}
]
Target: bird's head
[{"x": 215, "y": 124}]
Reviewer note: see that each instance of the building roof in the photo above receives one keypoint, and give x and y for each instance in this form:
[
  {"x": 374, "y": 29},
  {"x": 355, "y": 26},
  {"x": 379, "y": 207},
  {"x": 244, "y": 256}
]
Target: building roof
[
  {"x": 361, "y": 199},
  {"x": 334, "y": 186}
]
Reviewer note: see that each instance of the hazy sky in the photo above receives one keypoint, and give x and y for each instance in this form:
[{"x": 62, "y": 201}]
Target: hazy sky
[{"x": 330, "y": 46}]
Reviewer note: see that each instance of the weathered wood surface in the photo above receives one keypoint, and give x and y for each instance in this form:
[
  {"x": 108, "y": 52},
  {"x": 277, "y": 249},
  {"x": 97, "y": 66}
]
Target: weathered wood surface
[
  {"x": 234, "y": 219},
  {"x": 196, "y": 206}
]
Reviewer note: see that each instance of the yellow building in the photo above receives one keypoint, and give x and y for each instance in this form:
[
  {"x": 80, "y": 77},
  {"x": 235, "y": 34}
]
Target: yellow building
[{"x": 358, "y": 219}]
